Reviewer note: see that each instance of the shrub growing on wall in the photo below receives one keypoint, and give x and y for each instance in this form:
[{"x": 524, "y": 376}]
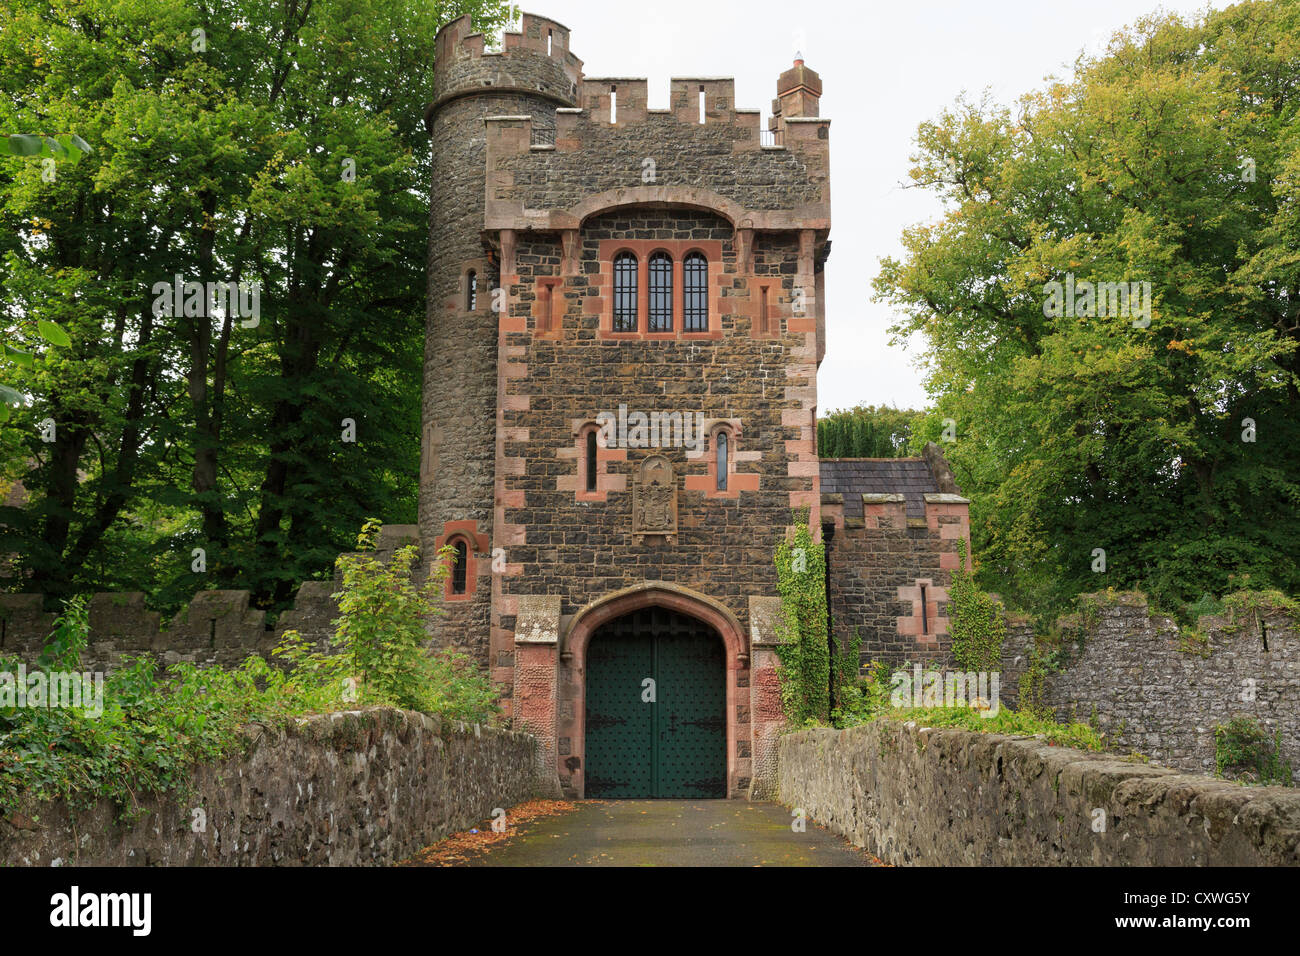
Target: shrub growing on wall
[
  {"x": 805, "y": 670},
  {"x": 1243, "y": 746},
  {"x": 379, "y": 640}
]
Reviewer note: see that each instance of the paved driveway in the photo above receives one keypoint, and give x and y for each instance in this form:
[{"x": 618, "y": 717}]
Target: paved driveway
[{"x": 673, "y": 833}]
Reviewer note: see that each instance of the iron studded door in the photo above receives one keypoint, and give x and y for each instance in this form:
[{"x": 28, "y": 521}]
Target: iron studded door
[
  {"x": 671, "y": 746},
  {"x": 620, "y": 728},
  {"x": 691, "y": 715}
]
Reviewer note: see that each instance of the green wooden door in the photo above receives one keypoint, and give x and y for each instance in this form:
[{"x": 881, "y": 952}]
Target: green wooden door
[
  {"x": 620, "y": 728},
  {"x": 665, "y": 739}
]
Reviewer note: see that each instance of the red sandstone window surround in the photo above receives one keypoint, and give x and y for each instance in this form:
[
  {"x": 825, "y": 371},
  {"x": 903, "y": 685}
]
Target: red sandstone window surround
[
  {"x": 722, "y": 451},
  {"x": 661, "y": 292},
  {"x": 591, "y": 480},
  {"x": 924, "y": 623},
  {"x": 462, "y": 566},
  {"x": 655, "y": 290},
  {"x": 459, "y": 585}
]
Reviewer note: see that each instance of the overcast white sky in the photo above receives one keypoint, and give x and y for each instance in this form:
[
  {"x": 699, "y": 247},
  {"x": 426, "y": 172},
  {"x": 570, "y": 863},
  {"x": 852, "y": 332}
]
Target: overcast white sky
[{"x": 885, "y": 67}]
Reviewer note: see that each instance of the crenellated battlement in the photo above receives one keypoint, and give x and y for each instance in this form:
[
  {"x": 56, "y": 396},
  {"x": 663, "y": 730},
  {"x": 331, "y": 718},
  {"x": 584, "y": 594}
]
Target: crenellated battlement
[
  {"x": 543, "y": 164},
  {"x": 459, "y": 40},
  {"x": 544, "y": 178},
  {"x": 705, "y": 101},
  {"x": 534, "y": 59},
  {"x": 690, "y": 97}
]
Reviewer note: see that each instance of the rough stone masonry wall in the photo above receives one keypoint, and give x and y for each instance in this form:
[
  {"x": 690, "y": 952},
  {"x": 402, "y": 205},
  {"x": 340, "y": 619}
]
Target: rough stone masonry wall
[
  {"x": 1149, "y": 689},
  {"x": 613, "y": 156},
  {"x": 367, "y": 788},
  {"x": 216, "y": 629},
  {"x": 942, "y": 797},
  {"x": 867, "y": 568}
]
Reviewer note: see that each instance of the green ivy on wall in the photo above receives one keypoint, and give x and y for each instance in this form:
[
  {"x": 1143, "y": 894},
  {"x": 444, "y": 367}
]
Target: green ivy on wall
[
  {"x": 976, "y": 621},
  {"x": 804, "y": 652}
]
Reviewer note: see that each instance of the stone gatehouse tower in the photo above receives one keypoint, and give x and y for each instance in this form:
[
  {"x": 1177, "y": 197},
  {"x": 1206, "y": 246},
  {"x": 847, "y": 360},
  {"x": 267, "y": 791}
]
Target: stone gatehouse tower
[{"x": 625, "y": 323}]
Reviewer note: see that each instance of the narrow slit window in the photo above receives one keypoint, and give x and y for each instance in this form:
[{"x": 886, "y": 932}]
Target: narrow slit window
[
  {"x": 661, "y": 292},
  {"x": 591, "y": 460},
  {"x": 925, "y": 612},
  {"x": 625, "y": 292},
  {"x": 695, "y": 279},
  {"x": 762, "y": 310},
  {"x": 550, "y": 39},
  {"x": 471, "y": 291},
  {"x": 613, "y": 104},
  {"x": 460, "y": 568},
  {"x": 702, "y": 104},
  {"x": 550, "y": 305},
  {"x": 722, "y": 450}
]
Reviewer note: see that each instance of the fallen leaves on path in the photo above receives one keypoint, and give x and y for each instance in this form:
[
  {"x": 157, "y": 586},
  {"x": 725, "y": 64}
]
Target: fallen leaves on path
[{"x": 460, "y": 848}]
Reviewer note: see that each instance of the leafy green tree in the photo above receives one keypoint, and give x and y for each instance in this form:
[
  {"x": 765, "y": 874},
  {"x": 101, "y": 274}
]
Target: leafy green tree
[
  {"x": 277, "y": 145},
  {"x": 1167, "y": 437}
]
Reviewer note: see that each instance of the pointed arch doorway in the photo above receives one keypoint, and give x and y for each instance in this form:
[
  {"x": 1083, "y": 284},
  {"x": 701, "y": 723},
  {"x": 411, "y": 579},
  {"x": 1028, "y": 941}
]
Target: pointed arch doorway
[{"x": 656, "y": 708}]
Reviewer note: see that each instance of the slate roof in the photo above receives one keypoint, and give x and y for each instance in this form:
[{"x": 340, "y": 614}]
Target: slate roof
[{"x": 855, "y": 477}]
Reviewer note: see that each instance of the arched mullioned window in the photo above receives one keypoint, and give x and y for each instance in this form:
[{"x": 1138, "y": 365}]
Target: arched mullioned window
[
  {"x": 661, "y": 292},
  {"x": 695, "y": 283},
  {"x": 471, "y": 291},
  {"x": 460, "y": 567},
  {"x": 625, "y": 292},
  {"x": 591, "y": 460},
  {"x": 722, "y": 448}
]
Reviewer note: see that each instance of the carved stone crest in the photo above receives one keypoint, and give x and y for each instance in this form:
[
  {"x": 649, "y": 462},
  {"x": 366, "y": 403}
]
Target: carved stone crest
[{"x": 654, "y": 500}]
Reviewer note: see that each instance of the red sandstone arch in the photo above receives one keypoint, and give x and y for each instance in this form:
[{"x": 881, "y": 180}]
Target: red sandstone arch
[
  {"x": 686, "y": 197},
  {"x": 674, "y": 597},
  {"x": 589, "y": 620}
]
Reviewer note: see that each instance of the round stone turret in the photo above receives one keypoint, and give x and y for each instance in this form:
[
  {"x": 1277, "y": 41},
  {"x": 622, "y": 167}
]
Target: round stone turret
[{"x": 533, "y": 75}]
